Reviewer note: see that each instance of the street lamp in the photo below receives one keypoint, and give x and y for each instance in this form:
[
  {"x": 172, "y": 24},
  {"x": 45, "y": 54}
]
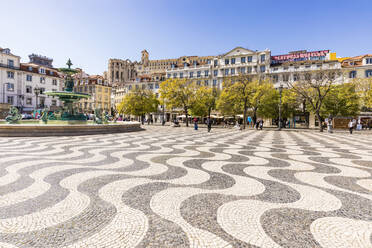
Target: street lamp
[
  {"x": 280, "y": 107},
  {"x": 37, "y": 92},
  {"x": 6, "y": 84}
]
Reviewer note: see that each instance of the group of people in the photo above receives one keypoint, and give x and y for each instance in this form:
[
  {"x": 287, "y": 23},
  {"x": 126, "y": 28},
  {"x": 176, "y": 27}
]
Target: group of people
[{"x": 208, "y": 122}]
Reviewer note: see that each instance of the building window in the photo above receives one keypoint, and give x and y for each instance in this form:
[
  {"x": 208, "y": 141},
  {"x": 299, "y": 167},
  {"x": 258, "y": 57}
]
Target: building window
[
  {"x": 130, "y": 87},
  {"x": 168, "y": 75},
  {"x": 249, "y": 69},
  {"x": 51, "y": 73},
  {"x": 42, "y": 70},
  {"x": 29, "y": 78},
  {"x": 226, "y": 72},
  {"x": 263, "y": 57},
  {"x": 42, "y": 90},
  {"x": 295, "y": 77},
  {"x": 174, "y": 75},
  {"x": 249, "y": 58},
  {"x": 206, "y": 82},
  {"x": 151, "y": 86},
  {"x": 10, "y": 87},
  {"x": 42, "y": 80},
  {"x": 285, "y": 77},
  {"x": 198, "y": 74},
  {"x": 368, "y": 73},
  {"x": 232, "y": 71},
  {"x": 307, "y": 76},
  {"x": 242, "y": 60},
  {"x": 215, "y": 62},
  {"x": 208, "y": 61},
  {"x": 30, "y": 68},
  {"x": 10, "y": 74},
  {"x": 181, "y": 74},
  {"x": 54, "y": 103},
  {"x": 307, "y": 66},
  {"x": 206, "y": 73},
  {"x": 352, "y": 74},
  {"x": 29, "y": 89},
  {"x": 226, "y": 61},
  {"x": 275, "y": 78},
  {"x": 215, "y": 73},
  {"x": 214, "y": 82},
  {"x": 368, "y": 60},
  {"x": 191, "y": 74},
  {"x": 198, "y": 83},
  {"x": 137, "y": 86},
  {"x": 156, "y": 86},
  {"x": 233, "y": 61},
  {"x": 262, "y": 68},
  {"x": 54, "y": 82},
  {"x": 10, "y": 63},
  {"x": 143, "y": 86},
  {"x": 29, "y": 101},
  {"x": 242, "y": 70},
  {"x": 10, "y": 100}
]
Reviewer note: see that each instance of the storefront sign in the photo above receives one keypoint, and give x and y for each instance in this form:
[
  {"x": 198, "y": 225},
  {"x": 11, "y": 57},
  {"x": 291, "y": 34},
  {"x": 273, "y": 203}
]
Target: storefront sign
[{"x": 317, "y": 55}]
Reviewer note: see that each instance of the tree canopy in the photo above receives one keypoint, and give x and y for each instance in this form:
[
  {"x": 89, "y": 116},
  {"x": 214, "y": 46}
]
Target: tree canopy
[
  {"x": 138, "y": 102},
  {"x": 179, "y": 93},
  {"x": 342, "y": 100}
]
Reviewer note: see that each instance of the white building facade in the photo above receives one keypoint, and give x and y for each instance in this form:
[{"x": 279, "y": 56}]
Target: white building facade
[{"x": 18, "y": 82}]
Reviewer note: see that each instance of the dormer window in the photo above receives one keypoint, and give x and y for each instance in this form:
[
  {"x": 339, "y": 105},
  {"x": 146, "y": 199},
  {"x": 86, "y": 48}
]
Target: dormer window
[
  {"x": 42, "y": 70},
  {"x": 368, "y": 60},
  {"x": 30, "y": 68}
]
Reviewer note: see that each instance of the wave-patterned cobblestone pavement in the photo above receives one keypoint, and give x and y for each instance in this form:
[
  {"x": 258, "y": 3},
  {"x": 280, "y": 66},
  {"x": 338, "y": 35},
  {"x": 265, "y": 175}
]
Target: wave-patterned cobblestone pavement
[{"x": 175, "y": 187}]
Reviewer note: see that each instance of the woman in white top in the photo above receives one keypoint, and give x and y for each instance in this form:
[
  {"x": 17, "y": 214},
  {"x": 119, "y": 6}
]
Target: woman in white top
[{"x": 351, "y": 125}]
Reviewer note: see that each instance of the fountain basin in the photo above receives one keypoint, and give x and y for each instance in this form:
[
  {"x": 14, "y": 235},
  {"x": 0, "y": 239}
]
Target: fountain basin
[{"x": 41, "y": 130}]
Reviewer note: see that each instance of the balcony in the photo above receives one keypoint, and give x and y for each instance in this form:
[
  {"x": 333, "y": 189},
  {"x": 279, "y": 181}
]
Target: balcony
[{"x": 9, "y": 66}]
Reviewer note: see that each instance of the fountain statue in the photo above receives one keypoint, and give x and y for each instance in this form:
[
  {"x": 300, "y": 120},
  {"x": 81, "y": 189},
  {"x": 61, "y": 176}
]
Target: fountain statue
[
  {"x": 58, "y": 123},
  {"x": 68, "y": 97},
  {"x": 13, "y": 116}
]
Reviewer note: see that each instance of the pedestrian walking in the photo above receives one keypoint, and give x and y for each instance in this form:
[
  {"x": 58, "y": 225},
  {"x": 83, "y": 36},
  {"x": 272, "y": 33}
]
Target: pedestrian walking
[
  {"x": 261, "y": 124},
  {"x": 195, "y": 124},
  {"x": 351, "y": 125},
  {"x": 209, "y": 124}
]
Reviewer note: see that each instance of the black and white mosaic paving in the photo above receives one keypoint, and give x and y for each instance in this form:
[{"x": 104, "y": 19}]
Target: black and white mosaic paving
[{"x": 176, "y": 187}]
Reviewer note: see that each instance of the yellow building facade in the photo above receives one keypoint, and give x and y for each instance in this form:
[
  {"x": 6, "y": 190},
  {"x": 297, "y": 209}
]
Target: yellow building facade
[{"x": 98, "y": 88}]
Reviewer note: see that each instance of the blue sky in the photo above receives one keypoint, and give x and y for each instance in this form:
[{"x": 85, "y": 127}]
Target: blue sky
[{"x": 92, "y": 31}]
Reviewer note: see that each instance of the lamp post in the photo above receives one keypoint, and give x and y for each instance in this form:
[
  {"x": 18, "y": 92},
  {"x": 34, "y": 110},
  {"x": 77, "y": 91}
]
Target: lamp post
[
  {"x": 163, "y": 121},
  {"x": 6, "y": 84},
  {"x": 280, "y": 107},
  {"x": 37, "y": 92}
]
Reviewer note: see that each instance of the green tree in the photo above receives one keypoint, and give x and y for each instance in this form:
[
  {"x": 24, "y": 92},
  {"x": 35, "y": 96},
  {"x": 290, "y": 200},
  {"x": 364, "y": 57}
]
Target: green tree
[
  {"x": 314, "y": 87},
  {"x": 205, "y": 101},
  {"x": 263, "y": 99},
  {"x": 235, "y": 96},
  {"x": 179, "y": 93},
  {"x": 342, "y": 100},
  {"x": 138, "y": 102},
  {"x": 364, "y": 90}
]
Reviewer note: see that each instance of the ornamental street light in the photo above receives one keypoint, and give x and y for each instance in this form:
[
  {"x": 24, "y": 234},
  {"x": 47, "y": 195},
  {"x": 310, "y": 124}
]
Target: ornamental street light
[
  {"x": 280, "y": 107},
  {"x": 37, "y": 92}
]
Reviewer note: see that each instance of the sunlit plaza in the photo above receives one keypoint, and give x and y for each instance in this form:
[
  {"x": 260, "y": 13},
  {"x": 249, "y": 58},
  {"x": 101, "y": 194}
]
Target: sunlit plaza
[{"x": 177, "y": 187}]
